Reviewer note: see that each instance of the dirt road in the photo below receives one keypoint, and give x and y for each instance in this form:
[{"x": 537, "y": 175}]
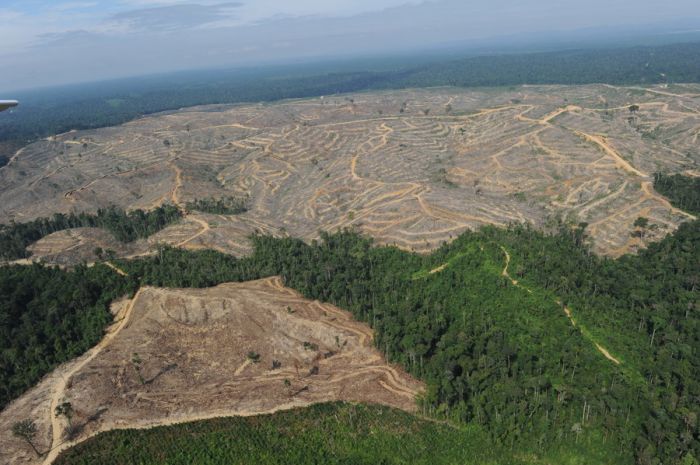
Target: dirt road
[{"x": 567, "y": 310}]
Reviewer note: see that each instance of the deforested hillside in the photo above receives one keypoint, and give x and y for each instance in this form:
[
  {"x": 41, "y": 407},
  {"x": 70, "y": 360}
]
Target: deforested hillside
[
  {"x": 51, "y": 111},
  {"x": 410, "y": 168}
]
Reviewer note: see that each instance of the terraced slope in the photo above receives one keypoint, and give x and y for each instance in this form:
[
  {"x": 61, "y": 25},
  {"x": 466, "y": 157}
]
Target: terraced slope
[
  {"x": 412, "y": 168},
  {"x": 182, "y": 355}
]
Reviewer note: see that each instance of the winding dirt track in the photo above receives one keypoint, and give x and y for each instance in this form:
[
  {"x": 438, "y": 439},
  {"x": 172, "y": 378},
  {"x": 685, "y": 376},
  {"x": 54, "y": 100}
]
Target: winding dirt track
[
  {"x": 59, "y": 391},
  {"x": 205, "y": 227},
  {"x": 605, "y": 146},
  {"x": 116, "y": 268},
  {"x": 438, "y": 269},
  {"x": 567, "y": 310},
  {"x": 514, "y": 282}
]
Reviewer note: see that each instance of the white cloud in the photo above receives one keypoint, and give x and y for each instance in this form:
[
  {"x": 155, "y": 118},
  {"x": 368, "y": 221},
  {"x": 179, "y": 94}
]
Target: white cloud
[
  {"x": 260, "y": 9},
  {"x": 73, "y": 6},
  {"x": 174, "y": 17},
  {"x": 24, "y": 27}
]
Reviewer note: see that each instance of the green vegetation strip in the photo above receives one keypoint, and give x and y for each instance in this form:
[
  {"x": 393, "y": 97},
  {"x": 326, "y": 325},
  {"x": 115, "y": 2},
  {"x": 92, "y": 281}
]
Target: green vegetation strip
[
  {"x": 222, "y": 206},
  {"x": 126, "y": 227},
  {"x": 682, "y": 191},
  {"x": 336, "y": 433}
]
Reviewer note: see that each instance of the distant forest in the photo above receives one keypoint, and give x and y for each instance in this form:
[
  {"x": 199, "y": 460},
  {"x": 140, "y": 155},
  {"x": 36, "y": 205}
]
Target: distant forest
[{"x": 53, "y": 111}]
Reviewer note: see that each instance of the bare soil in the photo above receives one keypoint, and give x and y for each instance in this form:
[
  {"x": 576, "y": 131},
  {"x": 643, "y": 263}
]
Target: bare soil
[
  {"x": 395, "y": 165},
  {"x": 193, "y": 347}
]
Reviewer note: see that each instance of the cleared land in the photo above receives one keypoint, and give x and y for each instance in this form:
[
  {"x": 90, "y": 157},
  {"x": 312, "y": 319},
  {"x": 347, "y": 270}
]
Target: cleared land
[
  {"x": 204, "y": 354},
  {"x": 412, "y": 168}
]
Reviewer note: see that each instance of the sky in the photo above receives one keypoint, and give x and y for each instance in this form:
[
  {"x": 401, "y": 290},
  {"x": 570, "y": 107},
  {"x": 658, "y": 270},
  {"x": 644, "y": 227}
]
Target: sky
[{"x": 50, "y": 42}]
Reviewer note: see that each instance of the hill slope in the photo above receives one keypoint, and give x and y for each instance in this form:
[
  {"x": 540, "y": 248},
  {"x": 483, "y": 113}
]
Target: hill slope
[{"x": 412, "y": 168}]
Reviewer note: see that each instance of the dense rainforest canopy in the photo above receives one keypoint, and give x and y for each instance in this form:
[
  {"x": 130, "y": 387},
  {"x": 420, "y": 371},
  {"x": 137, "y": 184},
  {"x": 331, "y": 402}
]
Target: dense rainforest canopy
[{"x": 683, "y": 191}]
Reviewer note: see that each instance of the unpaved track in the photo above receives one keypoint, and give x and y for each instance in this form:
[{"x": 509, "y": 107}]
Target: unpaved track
[
  {"x": 57, "y": 429},
  {"x": 438, "y": 269},
  {"x": 567, "y": 310},
  {"x": 175, "y": 198},
  {"x": 364, "y": 333},
  {"x": 514, "y": 282},
  {"x": 648, "y": 188},
  {"x": 547, "y": 118},
  {"x": 619, "y": 161},
  {"x": 661, "y": 92},
  {"x": 205, "y": 227},
  {"x": 606, "y": 354},
  {"x": 116, "y": 268},
  {"x": 174, "y": 194},
  {"x": 241, "y": 368}
]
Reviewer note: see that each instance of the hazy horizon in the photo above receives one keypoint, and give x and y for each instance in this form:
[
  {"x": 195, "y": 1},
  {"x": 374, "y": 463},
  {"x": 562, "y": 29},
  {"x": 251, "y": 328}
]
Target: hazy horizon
[{"x": 45, "y": 43}]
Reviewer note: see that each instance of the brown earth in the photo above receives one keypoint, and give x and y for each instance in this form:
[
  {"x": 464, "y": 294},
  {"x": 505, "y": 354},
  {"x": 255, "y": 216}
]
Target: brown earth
[
  {"x": 193, "y": 346},
  {"x": 402, "y": 166}
]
